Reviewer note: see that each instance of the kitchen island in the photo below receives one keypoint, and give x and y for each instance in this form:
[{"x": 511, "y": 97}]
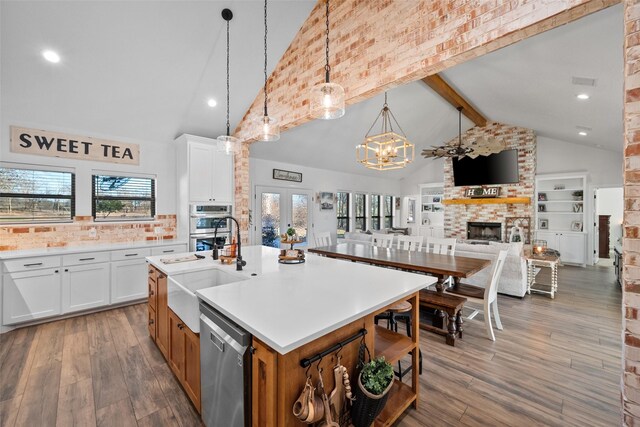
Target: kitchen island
[{"x": 297, "y": 311}]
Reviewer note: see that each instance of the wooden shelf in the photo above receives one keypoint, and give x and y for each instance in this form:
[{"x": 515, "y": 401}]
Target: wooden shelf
[
  {"x": 400, "y": 397},
  {"x": 392, "y": 345},
  {"x": 490, "y": 201}
]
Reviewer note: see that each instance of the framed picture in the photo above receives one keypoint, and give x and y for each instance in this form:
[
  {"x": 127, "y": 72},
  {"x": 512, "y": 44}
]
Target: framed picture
[
  {"x": 543, "y": 224},
  {"x": 542, "y": 208},
  {"x": 437, "y": 199},
  {"x": 397, "y": 203},
  {"x": 426, "y": 208},
  {"x": 576, "y": 226},
  {"x": 411, "y": 208},
  {"x": 326, "y": 201},
  {"x": 542, "y": 197}
]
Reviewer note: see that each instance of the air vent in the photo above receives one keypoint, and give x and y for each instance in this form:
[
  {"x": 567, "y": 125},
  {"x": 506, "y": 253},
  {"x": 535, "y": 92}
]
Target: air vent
[
  {"x": 584, "y": 128},
  {"x": 583, "y": 81}
]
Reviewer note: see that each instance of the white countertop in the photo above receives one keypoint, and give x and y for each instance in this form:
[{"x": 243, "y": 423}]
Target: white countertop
[
  {"x": 287, "y": 306},
  {"x": 97, "y": 247}
]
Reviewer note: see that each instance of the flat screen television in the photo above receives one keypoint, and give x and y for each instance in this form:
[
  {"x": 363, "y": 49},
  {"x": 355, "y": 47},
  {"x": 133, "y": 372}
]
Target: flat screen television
[{"x": 499, "y": 168}]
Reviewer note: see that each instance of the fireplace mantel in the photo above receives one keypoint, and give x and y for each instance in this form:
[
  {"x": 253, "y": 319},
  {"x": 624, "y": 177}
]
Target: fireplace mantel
[{"x": 490, "y": 201}]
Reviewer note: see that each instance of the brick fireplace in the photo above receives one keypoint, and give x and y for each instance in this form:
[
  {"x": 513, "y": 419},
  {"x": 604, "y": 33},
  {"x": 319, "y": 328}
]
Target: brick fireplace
[{"x": 457, "y": 216}]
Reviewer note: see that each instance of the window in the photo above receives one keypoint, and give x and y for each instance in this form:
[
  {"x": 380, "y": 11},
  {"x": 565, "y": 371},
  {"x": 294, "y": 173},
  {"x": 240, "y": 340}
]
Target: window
[
  {"x": 388, "y": 211},
  {"x": 360, "y": 212},
  {"x": 342, "y": 213},
  {"x": 375, "y": 212},
  {"x": 36, "y": 196},
  {"x": 123, "y": 198}
]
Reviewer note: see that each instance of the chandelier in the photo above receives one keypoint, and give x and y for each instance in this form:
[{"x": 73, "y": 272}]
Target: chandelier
[
  {"x": 473, "y": 148},
  {"x": 388, "y": 149}
]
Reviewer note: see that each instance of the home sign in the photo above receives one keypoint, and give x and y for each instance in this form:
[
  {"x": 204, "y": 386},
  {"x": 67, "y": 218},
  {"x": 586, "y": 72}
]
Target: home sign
[
  {"x": 56, "y": 144},
  {"x": 481, "y": 192}
]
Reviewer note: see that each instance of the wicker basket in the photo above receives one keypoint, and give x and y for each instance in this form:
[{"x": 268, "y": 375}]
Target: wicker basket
[{"x": 367, "y": 406}]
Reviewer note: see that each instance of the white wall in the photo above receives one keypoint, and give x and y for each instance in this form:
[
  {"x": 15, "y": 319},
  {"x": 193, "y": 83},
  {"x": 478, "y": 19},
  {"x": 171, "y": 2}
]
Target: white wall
[
  {"x": 156, "y": 159},
  {"x": 610, "y": 201},
  {"x": 316, "y": 180},
  {"x": 431, "y": 171},
  {"x": 605, "y": 167}
]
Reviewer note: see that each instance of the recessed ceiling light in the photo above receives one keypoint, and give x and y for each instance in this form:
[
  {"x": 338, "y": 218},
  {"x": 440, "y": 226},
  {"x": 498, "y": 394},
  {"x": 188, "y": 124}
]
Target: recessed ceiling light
[
  {"x": 582, "y": 133},
  {"x": 51, "y": 56},
  {"x": 582, "y": 96},
  {"x": 212, "y": 102}
]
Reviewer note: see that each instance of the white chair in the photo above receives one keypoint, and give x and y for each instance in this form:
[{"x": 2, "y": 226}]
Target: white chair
[
  {"x": 383, "y": 240},
  {"x": 487, "y": 297},
  {"x": 410, "y": 243},
  {"x": 440, "y": 246},
  {"x": 322, "y": 239}
]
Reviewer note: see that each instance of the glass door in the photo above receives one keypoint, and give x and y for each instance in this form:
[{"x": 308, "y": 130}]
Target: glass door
[{"x": 280, "y": 209}]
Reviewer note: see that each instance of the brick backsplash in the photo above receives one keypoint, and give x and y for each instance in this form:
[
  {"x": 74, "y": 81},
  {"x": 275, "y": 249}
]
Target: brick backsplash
[
  {"x": 79, "y": 233},
  {"x": 457, "y": 216}
]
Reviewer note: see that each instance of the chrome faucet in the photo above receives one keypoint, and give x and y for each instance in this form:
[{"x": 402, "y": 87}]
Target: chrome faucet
[{"x": 239, "y": 262}]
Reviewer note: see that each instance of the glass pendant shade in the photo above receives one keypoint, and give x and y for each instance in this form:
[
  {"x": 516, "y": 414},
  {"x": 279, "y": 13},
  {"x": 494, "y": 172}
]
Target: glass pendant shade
[
  {"x": 229, "y": 144},
  {"x": 268, "y": 129},
  {"x": 327, "y": 101}
]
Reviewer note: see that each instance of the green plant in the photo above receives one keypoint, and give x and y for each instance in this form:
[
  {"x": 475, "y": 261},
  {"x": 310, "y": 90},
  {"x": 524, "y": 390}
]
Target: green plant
[
  {"x": 376, "y": 375},
  {"x": 291, "y": 231}
]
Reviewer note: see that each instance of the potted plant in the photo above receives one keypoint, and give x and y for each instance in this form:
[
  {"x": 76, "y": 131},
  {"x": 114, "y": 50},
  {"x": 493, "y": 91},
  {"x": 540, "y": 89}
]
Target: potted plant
[
  {"x": 374, "y": 382},
  {"x": 291, "y": 234},
  {"x": 577, "y": 195}
]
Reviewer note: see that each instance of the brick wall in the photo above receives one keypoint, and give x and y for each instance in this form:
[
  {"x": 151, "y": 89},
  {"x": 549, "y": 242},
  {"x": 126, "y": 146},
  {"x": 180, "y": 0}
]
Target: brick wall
[
  {"x": 242, "y": 191},
  {"x": 457, "y": 216},
  {"x": 631, "y": 236},
  {"x": 78, "y": 233}
]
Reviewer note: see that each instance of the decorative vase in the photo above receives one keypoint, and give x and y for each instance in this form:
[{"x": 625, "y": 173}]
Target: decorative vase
[{"x": 367, "y": 406}]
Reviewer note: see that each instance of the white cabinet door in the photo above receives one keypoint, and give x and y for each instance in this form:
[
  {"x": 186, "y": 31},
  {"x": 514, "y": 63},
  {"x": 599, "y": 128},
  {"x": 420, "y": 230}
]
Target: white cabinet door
[
  {"x": 201, "y": 172},
  {"x": 437, "y": 232},
  {"x": 550, "y": 237},
  {"x": 31, "y": 295},
  {"x": 85, "y": 286},
  {"x": 223, "y": 178},
  {"x": 572, "y": 248},
  {"x": 128, "y": 280}
]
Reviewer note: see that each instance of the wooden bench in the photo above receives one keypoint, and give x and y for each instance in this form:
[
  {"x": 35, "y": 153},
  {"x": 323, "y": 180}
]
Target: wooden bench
[{"x": 444, "y": 303}]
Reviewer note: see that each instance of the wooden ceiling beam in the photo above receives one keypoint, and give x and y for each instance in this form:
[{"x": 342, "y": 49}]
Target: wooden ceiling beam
[{"x": 442, "y": 88}]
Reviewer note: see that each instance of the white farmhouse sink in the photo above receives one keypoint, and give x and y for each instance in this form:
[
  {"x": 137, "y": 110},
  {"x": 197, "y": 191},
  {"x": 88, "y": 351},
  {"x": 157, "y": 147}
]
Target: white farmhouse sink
[{"x": 181, "y": 289}]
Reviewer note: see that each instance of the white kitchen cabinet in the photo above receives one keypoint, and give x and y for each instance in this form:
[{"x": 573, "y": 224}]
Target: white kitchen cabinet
[
  {"x": 432, "y": 231},
  {"x": 210, "y": 174},
  {"x": 572, "y": 246},
  {"x": 85, "y": 286},
  {"x": 29, "y": 295},
  {"x": 128, "y": 280}
]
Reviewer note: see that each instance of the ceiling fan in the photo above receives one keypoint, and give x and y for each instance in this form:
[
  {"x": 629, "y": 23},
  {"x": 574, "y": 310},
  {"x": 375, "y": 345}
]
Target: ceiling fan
[{"x": 480, "y": 146}]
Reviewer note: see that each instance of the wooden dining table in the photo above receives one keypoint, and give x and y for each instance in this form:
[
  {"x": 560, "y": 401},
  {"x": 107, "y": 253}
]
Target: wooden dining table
[{"x": 439, "y": 265}]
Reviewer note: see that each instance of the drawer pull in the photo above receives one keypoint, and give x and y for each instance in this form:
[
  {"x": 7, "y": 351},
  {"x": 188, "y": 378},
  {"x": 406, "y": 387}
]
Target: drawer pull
[
  {"x": 168, "y": 251},
  {"x": 151, "y": 322},
  {"x": 151, "y": 293},
  {"x": 150, "y": 271},
  {"x": 33, "y": 264},
  {"x": 130, "y": 254},
  {"x": 86, "y": 259}
]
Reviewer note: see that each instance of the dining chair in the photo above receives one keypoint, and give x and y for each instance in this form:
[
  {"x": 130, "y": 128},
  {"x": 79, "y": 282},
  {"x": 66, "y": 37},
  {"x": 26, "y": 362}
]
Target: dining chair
[
  {"x": 322, "y": 239},
  {"x": 410, "y": 243},
  {"x": 383, "y": 240},
  {"x": 486, "y": 297},
  {"x": 440, "y": 246}
]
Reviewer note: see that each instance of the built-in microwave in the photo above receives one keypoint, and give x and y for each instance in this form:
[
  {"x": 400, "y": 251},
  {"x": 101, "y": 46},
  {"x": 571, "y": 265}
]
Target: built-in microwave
[{"x": 204, "y": 218}]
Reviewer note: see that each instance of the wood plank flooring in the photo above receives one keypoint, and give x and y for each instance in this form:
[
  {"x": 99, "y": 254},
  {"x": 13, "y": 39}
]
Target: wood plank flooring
[{"x": 557, "y": 363}]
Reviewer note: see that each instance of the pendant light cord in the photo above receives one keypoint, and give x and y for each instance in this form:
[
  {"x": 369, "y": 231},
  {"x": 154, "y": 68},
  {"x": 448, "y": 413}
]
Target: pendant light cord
[
  {"x": 265, "y": 58},
  {"x": 327, "y": 68},
  {"x": 228, "y": 125}
]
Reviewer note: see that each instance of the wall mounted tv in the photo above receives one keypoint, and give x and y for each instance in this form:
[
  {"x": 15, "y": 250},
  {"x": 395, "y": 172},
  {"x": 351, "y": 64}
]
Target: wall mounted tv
[{"x": 499, "y": 168}]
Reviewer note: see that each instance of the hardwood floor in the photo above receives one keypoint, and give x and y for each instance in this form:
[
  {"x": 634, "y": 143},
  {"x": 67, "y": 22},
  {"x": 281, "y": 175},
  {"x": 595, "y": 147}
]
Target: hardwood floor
[{"x": 556, "y": 363}]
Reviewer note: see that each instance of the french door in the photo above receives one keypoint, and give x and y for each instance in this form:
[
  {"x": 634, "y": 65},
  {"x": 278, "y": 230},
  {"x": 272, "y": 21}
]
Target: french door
[{"x": 278, "y": 209}]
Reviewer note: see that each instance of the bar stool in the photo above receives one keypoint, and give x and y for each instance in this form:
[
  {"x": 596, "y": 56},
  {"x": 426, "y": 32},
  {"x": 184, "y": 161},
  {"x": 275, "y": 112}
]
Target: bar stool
[{"x": 400, "y": 311}]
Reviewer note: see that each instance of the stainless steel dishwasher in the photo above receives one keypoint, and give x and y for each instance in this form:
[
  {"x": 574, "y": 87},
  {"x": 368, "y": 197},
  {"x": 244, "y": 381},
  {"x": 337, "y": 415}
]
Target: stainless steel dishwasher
[{"x": 225, "y": 370}]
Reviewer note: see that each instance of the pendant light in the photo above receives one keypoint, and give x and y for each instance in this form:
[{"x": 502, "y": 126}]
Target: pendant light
[
  {"x": 327, "y": 99},
  {"x": 227, "y": 143},
  {"x": 388, "y": 149},
  {"x": 268, "y": 127}
]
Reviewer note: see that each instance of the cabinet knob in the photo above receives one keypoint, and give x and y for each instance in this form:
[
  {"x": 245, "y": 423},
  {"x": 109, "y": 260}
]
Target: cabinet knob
[
  {"x": 66, "y": 269},
  {"x": 151, "y": 293},
  {"x": 56, "y": 271},
  {"x": 151, "y": 322},
  {"x": 180, "y": 326},
  {"x": 150, "y": 271}
]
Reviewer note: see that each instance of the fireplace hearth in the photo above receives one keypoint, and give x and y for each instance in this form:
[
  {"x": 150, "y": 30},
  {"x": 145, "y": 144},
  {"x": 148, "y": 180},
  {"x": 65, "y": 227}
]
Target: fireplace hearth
[{"x": 490, "y": 231}]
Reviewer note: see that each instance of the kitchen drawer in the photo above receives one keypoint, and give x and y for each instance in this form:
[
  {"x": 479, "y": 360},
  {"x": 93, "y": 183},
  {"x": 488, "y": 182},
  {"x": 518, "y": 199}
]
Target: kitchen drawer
[
  {"x": 85, "y": 258},
  {"x": 173, "y": 249},
  {"x": 152, "y": 323},
  {"x": 126, "y": 254},
  {"x": 153, "y": 292},
  {"x": 26, "y": 264}
]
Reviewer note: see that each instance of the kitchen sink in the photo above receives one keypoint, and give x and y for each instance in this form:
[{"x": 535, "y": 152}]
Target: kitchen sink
[{"x": 181, "y": 289}]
